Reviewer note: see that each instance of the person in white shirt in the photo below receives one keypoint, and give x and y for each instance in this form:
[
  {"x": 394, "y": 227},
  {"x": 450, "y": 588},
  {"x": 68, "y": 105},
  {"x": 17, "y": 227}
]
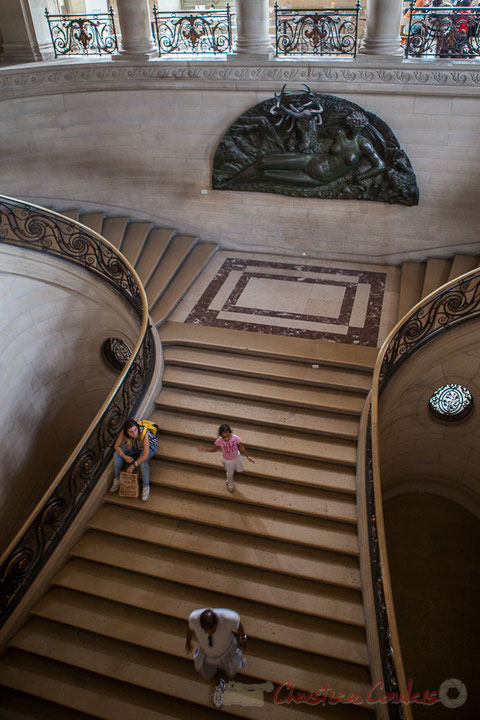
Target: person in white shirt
[{"x": 221, "y": 637}]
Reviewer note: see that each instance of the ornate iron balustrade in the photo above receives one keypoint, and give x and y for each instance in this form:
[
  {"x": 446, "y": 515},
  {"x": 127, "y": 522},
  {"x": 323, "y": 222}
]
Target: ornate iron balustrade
[
  {"x": 205, "y": 32},
  {"x": 459, "y": 301},
  {"x": 444, "y": 32},
  {"x": 83, "y": 34},
  {"x": 31, "y": 227},
  {"x": 316, "y": 32},
  {"x": 391, "y": 673}
]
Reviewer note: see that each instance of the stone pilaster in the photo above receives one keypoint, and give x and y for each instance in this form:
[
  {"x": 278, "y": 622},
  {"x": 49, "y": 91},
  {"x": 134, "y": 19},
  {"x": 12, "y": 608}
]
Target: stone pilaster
[
  {"x": 136, "y": 41},
  {"x": 383, "y": 28},
  {"x": 19, "y": 39}
]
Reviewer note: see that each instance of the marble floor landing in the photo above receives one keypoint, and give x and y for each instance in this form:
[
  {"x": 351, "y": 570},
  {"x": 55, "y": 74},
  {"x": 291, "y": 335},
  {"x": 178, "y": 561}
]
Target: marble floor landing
[{"x": 297, "y": 297}]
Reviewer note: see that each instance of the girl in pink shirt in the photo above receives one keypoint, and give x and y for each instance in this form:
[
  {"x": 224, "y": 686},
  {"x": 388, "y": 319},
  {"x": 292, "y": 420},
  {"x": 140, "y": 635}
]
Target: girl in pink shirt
[{"x": 231, "y": 447}]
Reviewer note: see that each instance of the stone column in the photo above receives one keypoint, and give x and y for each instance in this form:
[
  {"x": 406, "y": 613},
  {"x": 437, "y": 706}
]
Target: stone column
[
  {"x": 253, "y": 30},
  {"x": 19, "y": 39},
  {"x": 134, "y": 20},
  {"x": 383, "y": 28}
]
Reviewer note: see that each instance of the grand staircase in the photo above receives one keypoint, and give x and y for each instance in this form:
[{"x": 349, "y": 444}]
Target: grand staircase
[
  {"x": 282, "y": 550},
  {"x": 107, "y": 641},
  {"x": 419, "y": 279}
]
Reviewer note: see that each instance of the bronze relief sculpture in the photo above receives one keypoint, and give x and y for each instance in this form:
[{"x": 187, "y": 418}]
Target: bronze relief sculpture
[{"x": 304, "y": 144}]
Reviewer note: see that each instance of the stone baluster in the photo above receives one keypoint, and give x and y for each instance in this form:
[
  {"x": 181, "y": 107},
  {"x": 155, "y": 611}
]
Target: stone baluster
[
  {"x": 383, "y": 28},
  {"x": 134, "y": 20},
  {"x": 253, "y": 30}
]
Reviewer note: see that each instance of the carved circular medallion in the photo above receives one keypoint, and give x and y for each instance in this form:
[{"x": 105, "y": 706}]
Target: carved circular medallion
[
  {"x": 116, "y": 353},
  {"x": 451, "y": 402}
]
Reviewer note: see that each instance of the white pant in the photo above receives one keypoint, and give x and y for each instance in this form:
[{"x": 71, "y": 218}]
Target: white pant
[
  {"x": 231, "y": 662},
  {"x": 232, "y": 465}
]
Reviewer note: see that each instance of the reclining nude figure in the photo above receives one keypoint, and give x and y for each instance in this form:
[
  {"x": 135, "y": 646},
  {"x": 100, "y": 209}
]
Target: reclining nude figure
[{"x": 339, "y": 165}]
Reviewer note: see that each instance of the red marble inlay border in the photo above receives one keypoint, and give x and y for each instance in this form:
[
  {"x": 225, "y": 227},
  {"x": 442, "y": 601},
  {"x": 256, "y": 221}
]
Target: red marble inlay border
[
  {"x": 201, "y": 314},
  {"x": 345, "y": 312}
]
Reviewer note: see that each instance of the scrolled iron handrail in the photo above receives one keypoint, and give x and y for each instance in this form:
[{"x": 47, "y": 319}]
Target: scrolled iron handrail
[
  {"x": 316, "y": 32},
  {"x": 445, "y": 308},
  {"x": 445, "y": 32},
  {"x": 201, "y": 32},
  {"x": 28, "y": 226},
  {"x": 83, "y": 34}
]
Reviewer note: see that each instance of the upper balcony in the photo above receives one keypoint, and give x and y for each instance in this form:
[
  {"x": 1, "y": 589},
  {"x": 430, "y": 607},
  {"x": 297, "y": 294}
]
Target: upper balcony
[{"x": 301, "y": 30}]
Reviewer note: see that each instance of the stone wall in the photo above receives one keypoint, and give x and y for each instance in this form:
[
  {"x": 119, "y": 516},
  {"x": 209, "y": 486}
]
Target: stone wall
[
  {"x": 140, "y": 140},
  {"x": 53, "y": 321}
]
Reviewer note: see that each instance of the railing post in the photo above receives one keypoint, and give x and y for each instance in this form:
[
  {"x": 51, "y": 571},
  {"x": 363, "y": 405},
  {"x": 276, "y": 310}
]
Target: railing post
[
  {"x": 136, "y": 35},
  {"x": 357, "y": 19},
  {"x": 229, "y": 24},
  {"x": 47, "y": 15},
  {"x": 407, "y": 44},
  {"x": 275, "y": 7},
  {"x": 112, "y": 20}
]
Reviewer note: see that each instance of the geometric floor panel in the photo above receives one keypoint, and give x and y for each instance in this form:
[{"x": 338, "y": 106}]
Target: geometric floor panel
[{"x": 305, "y": 300}]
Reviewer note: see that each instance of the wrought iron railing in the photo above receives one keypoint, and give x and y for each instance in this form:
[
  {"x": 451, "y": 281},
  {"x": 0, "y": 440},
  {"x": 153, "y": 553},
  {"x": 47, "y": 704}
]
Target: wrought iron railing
[
  {"x": 443, "y": 32},
  {"x": 316, "y": 32},
  {"x": 83, "y": 34},
  {"x": 205, "y": 32},
  {"x": 393, "y": 682},
  {"x": 455, "y": 303},
  {"x": 28, "y": 226}
]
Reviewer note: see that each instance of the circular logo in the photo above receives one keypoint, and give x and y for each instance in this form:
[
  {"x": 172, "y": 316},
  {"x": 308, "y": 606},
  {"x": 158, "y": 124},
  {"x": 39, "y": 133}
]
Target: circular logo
[{"x": 452, "y": 683}]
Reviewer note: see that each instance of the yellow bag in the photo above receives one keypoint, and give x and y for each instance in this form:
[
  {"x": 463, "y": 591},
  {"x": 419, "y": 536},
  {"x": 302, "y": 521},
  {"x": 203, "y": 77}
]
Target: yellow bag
[{"x": 148, "y": 425}]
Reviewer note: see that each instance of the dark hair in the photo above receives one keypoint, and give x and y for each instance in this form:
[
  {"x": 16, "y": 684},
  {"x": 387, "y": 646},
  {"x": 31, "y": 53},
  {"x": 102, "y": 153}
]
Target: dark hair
[
  {"x": 464, "y": 3},
  {"x": 208, "y": 619},
  {"x": 224, "y": 428},
  {"x": 129, "y": 422}
]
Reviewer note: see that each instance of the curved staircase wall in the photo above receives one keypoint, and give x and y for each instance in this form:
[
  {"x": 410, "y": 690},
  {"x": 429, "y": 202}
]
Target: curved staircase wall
[
  {"x": 417, "y": 452},
  {"x": 142, "y": 139},
  {"x": 55, "y": 318}
]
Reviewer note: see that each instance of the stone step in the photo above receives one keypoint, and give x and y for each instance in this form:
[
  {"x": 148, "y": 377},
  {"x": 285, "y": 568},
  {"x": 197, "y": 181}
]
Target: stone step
[
  {"x": 135, "y": 593},
  {"x": 114, "y": 229},
  {"x": 260, "y": 411},
  {"x": 283, "y": 440},
  {"x": 245, "y": 387},
  {"x": 152, "y": 252},
  {"x": 232, "y": 514},
  {"x": 462, "y": 264},
  {"x": 288, "y": 469},
  {"x": 411, "y": 284},
  {"x": 436, "y": 274},
  {"x": 93, "y": 220},
  {"x": 262, "y": 586},
  {"x": 290, "y": 371},
  {"x": 15, "y": 705},
  {"x": 189, "y": 271},
  {"x": 91, "y": 693},
  {"x": 121, "y": 519},
  {"x": 152, "y": 671},
  {"x": 254, "y": 490},
  {"x": 134, "y": 239},
  {"x": 269, "y": 346},
  {"x": 174, "y": 256},
  {"x": 73, "y": 214}
]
